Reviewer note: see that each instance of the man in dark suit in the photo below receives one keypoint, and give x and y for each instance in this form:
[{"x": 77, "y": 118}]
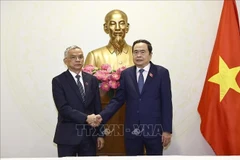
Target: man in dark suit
[
  {"x": 146, "y": 89},
  {"x": 76, "y": 96}
]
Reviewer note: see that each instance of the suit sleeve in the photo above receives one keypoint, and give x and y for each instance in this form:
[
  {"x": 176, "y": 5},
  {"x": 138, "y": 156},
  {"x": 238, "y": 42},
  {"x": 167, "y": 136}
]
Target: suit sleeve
[
  {"x": 64, "y": 109},
  {"x": 166, "y": 102}
]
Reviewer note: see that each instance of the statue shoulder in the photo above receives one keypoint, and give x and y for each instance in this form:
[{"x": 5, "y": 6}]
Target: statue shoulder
[
  {"x": 99, "y": 50},
  {"x": 128, "y": 45}
]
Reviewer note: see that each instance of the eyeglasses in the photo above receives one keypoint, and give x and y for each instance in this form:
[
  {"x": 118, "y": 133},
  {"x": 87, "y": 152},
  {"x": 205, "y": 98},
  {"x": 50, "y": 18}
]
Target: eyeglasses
[
  {"x": 76, "y": 57},
  {"x": 141, "y": 53}
]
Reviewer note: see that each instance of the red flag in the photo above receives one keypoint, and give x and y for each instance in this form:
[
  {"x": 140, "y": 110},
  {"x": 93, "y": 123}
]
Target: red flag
[{"x": 219, "y": 106}]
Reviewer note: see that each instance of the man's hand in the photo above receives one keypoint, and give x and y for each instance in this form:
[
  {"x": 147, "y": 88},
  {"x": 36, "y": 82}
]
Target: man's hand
[
  {"x": 94, "y": 120},
  {"x": 91, "y": 120},
  {"x": 166, "y": 138},
  {"x": 100, "y": 143},
  {"x": 99, "y": 119}
]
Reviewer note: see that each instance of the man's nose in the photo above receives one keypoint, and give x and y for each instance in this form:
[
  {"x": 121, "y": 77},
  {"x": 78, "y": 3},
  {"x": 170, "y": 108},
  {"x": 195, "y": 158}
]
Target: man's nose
[
  {"x": 139, "y": 55},
  {"x": 78, "y": 58},
  {"x": 117, "y": 27}
]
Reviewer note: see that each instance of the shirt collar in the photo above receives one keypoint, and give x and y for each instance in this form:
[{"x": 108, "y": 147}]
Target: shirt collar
[
  {"x": 146, "y": 68},
  {"x": 74, "y": 74},
  {"x": 111, "y": 48}
]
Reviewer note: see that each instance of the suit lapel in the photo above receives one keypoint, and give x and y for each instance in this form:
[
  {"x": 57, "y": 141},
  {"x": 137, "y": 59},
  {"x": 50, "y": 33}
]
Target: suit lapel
[{"x": 150, "y": 76}]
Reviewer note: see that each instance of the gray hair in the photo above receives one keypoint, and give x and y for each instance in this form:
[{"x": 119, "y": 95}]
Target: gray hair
[{"x": 69, "y": 48}]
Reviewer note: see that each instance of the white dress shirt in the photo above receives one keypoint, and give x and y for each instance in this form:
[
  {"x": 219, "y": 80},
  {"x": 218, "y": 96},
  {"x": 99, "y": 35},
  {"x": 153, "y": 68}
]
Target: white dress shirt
[
  {"x": 145, "y": 72},
  {"x": 81, "y": 79}
]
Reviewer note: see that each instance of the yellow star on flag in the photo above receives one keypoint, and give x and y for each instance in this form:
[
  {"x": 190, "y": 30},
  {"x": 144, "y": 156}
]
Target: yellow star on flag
[{"x": 226, "y": 78}]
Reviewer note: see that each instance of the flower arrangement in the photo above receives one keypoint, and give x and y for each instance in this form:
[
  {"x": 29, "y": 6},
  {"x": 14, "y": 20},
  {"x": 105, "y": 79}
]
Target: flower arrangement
[{"x": 108, "y": 78}]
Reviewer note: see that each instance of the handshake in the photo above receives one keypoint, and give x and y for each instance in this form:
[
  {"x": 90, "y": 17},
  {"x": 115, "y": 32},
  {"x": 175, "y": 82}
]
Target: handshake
[{"x": 94, "y": 120}]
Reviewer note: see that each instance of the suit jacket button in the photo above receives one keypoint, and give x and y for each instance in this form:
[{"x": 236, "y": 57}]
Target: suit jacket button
[
  {"x": 140, "y": 99},
  {"x": 137, "y": 111}
]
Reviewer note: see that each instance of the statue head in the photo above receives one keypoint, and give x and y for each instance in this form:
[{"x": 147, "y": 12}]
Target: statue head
[{"x": 116, "y": 25}]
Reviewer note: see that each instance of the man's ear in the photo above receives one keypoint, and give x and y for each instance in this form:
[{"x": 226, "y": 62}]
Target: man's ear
[
  {"x": 105, "y": 27},
  {"x": 127, "y": 27},
  {"x": 65, "y": 61}
]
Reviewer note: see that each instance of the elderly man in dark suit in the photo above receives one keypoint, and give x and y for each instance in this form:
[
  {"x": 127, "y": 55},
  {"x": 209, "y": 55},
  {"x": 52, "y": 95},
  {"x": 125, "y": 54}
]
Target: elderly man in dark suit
[
  {"x": 146, "y": 89},
  {"x": 77, "y": 99}
]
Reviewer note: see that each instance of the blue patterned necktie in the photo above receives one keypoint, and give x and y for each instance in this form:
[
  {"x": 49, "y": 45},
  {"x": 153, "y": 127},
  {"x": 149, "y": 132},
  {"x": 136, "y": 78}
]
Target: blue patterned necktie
[
  {"x": 80, "y": 87},
  {"x": 140, "y": 80}
]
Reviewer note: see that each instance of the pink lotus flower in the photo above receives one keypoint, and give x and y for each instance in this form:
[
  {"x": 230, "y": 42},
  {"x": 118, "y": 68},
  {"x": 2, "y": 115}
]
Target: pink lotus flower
[
  {"x": 108, "y": 78},
  {"x": 102, "y": 75},
  {"x": 106, "y": 67},
  {"x": 115, "y": 76},
  {"x": 99, "y": 75},
  {"x": 114, "y": 84},
  {"x": 89, "y": 69},
  {"x": 104, "y": 86}
]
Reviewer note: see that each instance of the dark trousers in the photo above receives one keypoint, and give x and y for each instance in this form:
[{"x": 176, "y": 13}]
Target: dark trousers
[
  {"x": 135, "y": 146},
  {"x": 87, "y": 147}
]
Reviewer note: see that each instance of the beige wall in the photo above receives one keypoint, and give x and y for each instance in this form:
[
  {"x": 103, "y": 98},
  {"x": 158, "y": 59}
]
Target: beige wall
[{"x": 34, "y": 35}]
